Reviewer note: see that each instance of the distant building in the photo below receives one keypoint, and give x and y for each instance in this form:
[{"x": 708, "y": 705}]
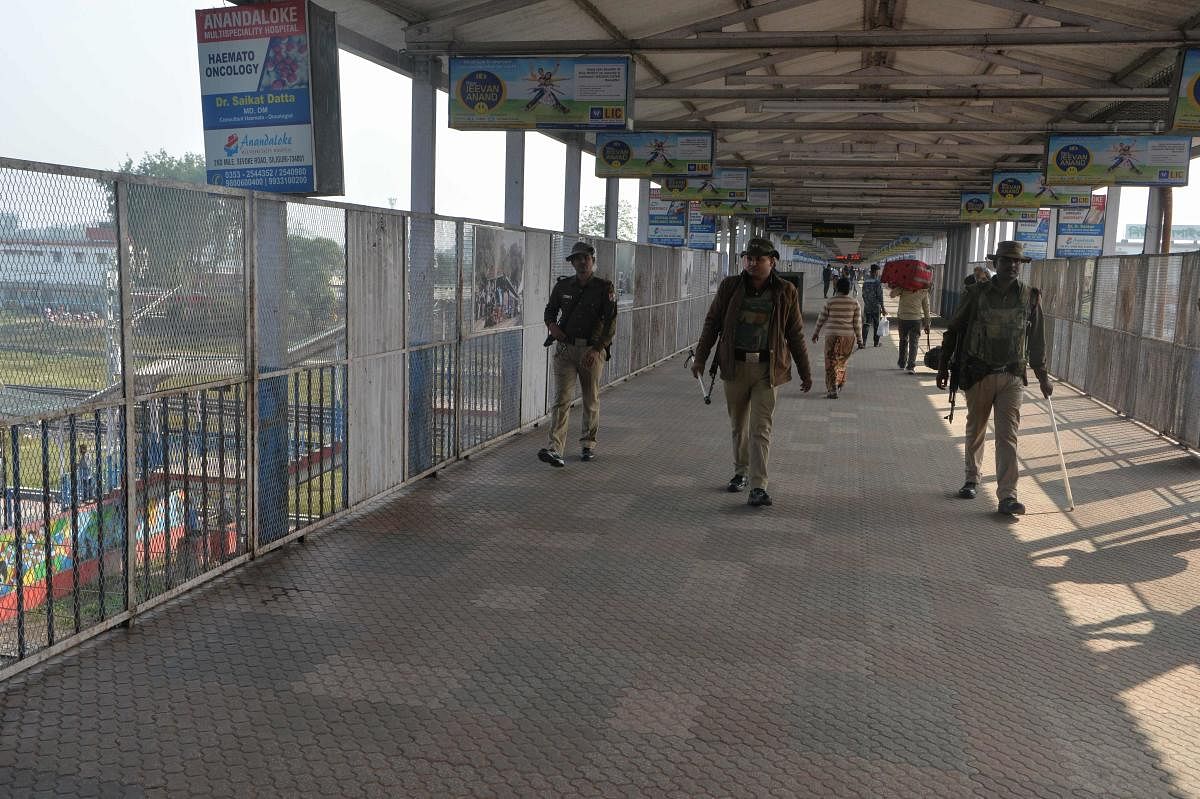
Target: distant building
[
  {"x": 1184, "y": 238},
  {"x": 58, "y": 268}
]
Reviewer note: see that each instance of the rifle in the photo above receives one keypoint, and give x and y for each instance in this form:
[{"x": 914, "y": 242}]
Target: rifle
[{"x": 956, "y": 368}]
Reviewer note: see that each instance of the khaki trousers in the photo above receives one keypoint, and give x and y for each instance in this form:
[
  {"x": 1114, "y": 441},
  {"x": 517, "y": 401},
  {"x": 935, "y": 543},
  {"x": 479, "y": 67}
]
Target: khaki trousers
[
  {"x": 1001, "y": 392},
  {"x": 750, "y": 399},
  {"x": 569, "y": 365}
]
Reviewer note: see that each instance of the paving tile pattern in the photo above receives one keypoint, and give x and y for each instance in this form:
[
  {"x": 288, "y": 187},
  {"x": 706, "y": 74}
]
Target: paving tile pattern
[{"x": 628, "y": 628}]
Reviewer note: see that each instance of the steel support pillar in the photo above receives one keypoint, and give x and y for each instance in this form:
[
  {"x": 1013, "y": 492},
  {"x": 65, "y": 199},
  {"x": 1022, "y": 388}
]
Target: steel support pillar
[
  {"x": 514, "y": 177},
  {"x": 571, "y": 189},
  {"x": 612, "y": 202}
]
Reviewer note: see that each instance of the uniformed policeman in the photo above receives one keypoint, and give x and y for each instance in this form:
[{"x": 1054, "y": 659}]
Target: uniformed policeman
[
  {"x": 1002, "y": 331},
  {"x": 582, "y": 317}
]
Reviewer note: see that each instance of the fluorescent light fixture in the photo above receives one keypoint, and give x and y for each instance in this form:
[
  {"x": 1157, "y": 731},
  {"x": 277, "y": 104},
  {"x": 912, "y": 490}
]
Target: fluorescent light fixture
[
  {"x": 845, "y": 184},
  {"x": 836, "y": 106}
]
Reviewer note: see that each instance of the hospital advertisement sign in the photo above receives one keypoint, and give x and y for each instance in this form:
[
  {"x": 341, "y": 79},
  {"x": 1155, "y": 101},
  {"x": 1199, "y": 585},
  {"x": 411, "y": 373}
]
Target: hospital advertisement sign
[
  {"x": 666, "y": 220},
  {"x": 701, "y": 228},
  {"x": 255, "y": 96},
  {"x": 1033, "y": 230},
  {"x": 529, "y": 93},
  {"x": 1080, "y": 231}
]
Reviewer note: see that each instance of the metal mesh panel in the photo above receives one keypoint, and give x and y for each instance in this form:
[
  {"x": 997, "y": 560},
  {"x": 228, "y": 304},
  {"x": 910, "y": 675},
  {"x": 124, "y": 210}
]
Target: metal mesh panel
[
  {"x": 669, "y": 326},
  {"x": 1087, "y": 288},
  {"x": 606, "y": 259},
  {"x": 1104, "y": 298},
  {"x": 60, "y": 323},
  {"x": 62, "y": 497},
  {"x": 674, "y": 276},
  {"x": 188, "y": 286},
  {"x": 1077, "y": 371},
  {"x": 639, "y": 339},
  {"x": 316, "y": 284},
  {"x": 1189, "y": 392},
  {"x": 431, "y": 403},
  {"x": 1058, "y": 335},
  {"x": 431, "y": 283},
  {"x": 618, "y": 367},
  {"x": 490, "y": 402},
  {"x": 1131, "y": 295},
  {"x": 1162, "y": 297},
  {"x": 316, "y": 462},
  {"x": 1187, "y": 328},
  {"x": 643, "y": 278},
  {"x": 538, "y": 248},
  {"x": 493, "y": 277},
  {"x": 1153, "y": 387},
  {"x": 626, "y": 269},
  {"x": 192, "y": 488},
  {"x": 660, "y": 258}
]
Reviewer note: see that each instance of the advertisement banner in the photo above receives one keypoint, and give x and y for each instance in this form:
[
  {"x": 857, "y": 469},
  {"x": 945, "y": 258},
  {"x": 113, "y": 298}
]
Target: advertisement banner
[
  {"x": 667, "y": 220},
  {"x": 757, "y": 203},
  {"x": 1033, "y": 229},
  {"x": 1185, "y": 109},
  {"x": 529, "y": 93},
  {"x": 1011, "y": 189},
  {"x": 1080, "y": 231},
  {"x": 1118, "y": 160},
  {"x": 644, "y": 155},
  {"x": 976, "y": 206},
  {"x": 725, "y": 183},
  {"x": 255, "y": 96},
  {"x": 701, "y": 228}
]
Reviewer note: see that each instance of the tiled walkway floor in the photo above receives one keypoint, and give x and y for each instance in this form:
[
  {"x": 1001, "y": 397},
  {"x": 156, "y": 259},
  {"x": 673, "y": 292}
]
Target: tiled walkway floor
[{"x": 628, "y": 628}]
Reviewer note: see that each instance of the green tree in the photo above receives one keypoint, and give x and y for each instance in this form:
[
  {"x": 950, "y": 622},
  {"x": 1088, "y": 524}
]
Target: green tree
[
  {"x": 312, "y": 298},
  {"x": 189, "y": 167},
  {"x": 591, "y": 221}
]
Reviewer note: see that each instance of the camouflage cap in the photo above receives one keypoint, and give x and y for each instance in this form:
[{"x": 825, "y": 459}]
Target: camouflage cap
[{"x": 758, "y": 247}]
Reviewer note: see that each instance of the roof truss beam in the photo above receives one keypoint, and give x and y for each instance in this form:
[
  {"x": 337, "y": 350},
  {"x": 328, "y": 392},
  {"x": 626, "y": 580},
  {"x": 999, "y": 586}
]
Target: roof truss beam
[
  {"x": 882, "y": 77},
  {"x": 1121, "y": 93},
  {"x": 746, "y": 15},
  {"x": 1055, "y": 14}
]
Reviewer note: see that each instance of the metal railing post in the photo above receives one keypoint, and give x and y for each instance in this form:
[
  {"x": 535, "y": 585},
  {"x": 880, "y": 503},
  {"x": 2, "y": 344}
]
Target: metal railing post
[{"x": 128, "y": 389}]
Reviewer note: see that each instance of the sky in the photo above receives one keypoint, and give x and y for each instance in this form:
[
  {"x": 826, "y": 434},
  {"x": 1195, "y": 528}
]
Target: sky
[{"x": 95, "y": 82}]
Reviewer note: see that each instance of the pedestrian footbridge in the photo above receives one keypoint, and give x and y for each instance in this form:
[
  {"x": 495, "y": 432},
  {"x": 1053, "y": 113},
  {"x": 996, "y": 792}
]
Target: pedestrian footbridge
[{"x": 273, "y": 524}]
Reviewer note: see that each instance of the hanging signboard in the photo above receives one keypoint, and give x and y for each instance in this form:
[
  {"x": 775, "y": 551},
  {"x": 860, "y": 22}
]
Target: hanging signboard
[
  {"x": 255, "y": 95},
  {"x": 1028, "y": 189},
  {"x": 777, "y": 223},
  {"x": 725, "y": 183},
  {"x": 1118, "y": 160},
  {"x": 1185, "y": 108},
  {"x": 1080, "y": 231},
  {"x": 530, "y": 93},
  {"x": 1033, "y": 230},
  {"x": 757, "y": 203},
  {"x": 666, "y": 220},
  {"x": 798, "y": 232},
  {"x": 645, "y": 154},
  {"x": 976, "y": 206},
  {"x": 832, "y": 230},
  {"x": 701, "y": 228}
]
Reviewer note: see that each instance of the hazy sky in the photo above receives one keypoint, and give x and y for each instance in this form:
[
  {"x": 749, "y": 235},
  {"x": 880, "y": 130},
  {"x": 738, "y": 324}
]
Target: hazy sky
[{"x": 91, "y": 82}]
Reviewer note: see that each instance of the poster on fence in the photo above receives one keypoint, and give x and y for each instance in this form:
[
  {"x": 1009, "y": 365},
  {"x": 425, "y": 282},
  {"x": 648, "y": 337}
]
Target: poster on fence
[
  {"x": 554, "y": 92},
  {"x": 256, "y": 96},
  {"x": 666, "y": 220},
  {"x": 1118, "y": 160},
  {"x": 497, "y": 272},
  {"x": 1013, "y": 189},
  {"x": 1080, "y": 231},
  {"x": 1033, "y": 230}
]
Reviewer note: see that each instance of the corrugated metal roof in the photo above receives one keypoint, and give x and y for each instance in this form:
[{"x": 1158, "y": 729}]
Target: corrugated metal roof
[{"x": 1024, "y": 86}]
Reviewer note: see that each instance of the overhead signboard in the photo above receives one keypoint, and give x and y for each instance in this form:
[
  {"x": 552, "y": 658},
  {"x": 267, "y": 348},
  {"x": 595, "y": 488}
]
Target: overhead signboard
[
  {"x": 725, "y": 183},
  {"x": 832, "y": 230},
  {"x": 1080, "y": 231},
  {"x": 1118, "y": 160},
  {"x": 645, "y": 154},
  {"x": 255, "y": 87},
  {"x": 777, "y": 223},
  {"x": 701, "y": 228},
  {"x": 667, "y": 220},
  {"x": 757, "y": 203},
  {"x": 1033, "y": 230},
  {"x": 1029, "y": 189},
  {"x": 556, "y": 92},
  {"x": 976, "y": 206},
  {"x": 1185, "y": 108}
]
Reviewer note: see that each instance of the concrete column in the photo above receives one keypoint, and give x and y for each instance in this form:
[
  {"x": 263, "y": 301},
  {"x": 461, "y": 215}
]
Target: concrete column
[
  {"x": 1153, "y": 242},
  {"x": 514, "y": 177},
  {"x": 612, "y": 202},
  {"x": 424, "y": 137},
  {"x": 991, "y": 239},
  {"x": 419, "y": 270},
  {"x": 571, "y": 189},
  {"x": 1112, "y": 213},
  {"x": 643, "y": 224}
]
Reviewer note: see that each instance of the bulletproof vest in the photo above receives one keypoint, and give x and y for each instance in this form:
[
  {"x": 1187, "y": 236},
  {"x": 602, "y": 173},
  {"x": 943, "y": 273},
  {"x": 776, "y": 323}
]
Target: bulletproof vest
[{"x": 998, "y": 334}]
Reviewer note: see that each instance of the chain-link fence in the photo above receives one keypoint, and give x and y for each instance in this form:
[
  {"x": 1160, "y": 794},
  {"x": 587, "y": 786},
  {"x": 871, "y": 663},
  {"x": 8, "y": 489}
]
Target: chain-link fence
[
  {"x": 190, "y": 376},
  {"x": 1126, "y": 330}
]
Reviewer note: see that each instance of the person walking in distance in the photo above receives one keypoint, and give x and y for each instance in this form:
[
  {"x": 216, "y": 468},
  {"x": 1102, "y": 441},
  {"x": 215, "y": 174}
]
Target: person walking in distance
[
  {"x": 756, "y": 315},
  {"x": 841, "y": 320},
  {"x": 581, "y": 317},
  {"x": 826, "y": 279},
  {"x": 1000, "y": 330},
  {"x": 872, "y": 298},
  {"x": 913, "y": 312}
]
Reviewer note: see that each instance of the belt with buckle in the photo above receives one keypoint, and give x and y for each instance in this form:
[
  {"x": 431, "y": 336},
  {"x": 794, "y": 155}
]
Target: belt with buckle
[
  {"x": 751, "y": 356},
  {"x": 578, "y": 342}
]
